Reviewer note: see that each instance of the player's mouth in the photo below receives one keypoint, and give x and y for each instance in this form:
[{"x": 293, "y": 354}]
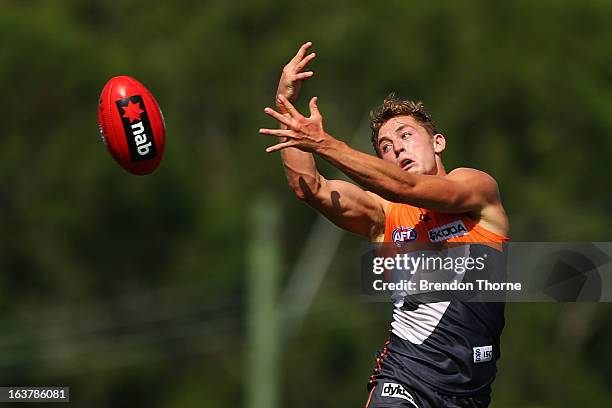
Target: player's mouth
[{"x": 406, "y": 164}]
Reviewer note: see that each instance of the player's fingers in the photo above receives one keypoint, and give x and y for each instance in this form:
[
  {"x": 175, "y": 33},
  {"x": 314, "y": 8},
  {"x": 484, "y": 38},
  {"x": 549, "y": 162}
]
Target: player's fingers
[
  {"x": 290, "y": 108},
  {"x": 300, "y": 65},
  {"x": 314, "y": 109},
  {"x": 303, "y": 75},
  {"x": 301, "y": 52},
  {"x": 279, "y": 146},
  {"x": 279, "y": 116},
  {"x": 277, "y": 132}
]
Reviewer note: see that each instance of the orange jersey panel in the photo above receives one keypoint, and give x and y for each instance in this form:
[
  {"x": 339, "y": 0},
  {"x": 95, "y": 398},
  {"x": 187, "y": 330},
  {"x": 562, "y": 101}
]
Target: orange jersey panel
[{"x": 405, "y": 223}]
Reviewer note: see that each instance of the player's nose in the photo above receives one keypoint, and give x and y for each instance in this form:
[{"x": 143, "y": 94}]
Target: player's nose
[{"x": 398, "y": 148}]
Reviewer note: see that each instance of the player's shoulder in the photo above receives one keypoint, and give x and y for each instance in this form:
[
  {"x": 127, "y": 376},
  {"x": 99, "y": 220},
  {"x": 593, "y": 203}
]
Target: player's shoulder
[
  {"x": 473, "y": 175},
  {"x": 491, "y": 215},
  {"x": 471, "y": 172},
  {"x": 378, "y": 199},
  {"x": 479, "y": 179}
]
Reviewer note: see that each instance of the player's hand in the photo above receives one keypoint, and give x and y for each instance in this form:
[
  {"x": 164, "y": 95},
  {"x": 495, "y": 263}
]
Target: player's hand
[
  {"x": 306, "y": 134},
  {"x": 292, "y": 76}
]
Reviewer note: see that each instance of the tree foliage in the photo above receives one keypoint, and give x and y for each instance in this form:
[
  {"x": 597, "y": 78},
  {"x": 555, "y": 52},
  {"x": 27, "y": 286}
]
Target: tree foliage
[{"x": 131, "y": 289}]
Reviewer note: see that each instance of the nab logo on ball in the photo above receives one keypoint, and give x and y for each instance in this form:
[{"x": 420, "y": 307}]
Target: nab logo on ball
[
  {"x": 132, "y": 125},
  {"x": 136, "y": 126},
  {"x": 403, "y": 234}
]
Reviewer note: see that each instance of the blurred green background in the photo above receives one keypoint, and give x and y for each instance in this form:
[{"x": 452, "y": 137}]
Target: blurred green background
[{"x": 137, "y": 291}]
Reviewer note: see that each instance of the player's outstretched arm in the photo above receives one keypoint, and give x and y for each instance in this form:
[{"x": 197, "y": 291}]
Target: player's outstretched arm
[
  {"x": 298, "y": 165},
  {"x": 347, "y": 205},
  {"x": 343, "y": 203},
  {"x": 464, "y": 190}
]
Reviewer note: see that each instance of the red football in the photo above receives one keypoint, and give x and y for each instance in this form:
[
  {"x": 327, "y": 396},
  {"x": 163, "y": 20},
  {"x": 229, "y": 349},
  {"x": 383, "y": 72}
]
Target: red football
[{"x": 131, "y": 124}]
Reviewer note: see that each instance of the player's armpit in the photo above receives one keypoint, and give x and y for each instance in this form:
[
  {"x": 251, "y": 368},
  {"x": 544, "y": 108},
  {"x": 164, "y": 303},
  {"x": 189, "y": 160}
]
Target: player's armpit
[{"x": 348, "y": 206}]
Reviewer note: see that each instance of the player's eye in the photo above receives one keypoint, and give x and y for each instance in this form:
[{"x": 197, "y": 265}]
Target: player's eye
[
  {"x": 406, "y": 135},
  {"x": 386, "y": 147}
]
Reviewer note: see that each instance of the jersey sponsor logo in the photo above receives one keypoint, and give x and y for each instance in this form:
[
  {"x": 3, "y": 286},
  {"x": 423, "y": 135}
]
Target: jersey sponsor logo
[
  {"x": 396, "y": 391},
  {"x": 483, "y": 354},
  {"x": 403, "y": 234},
  {"x": 448, "y": 231}
]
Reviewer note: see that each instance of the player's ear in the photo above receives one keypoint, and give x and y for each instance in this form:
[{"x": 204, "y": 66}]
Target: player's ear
[{"x": 439, "y": 143}]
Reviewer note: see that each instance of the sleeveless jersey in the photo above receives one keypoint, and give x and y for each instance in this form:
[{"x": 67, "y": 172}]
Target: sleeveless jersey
[{"x": 451, "y": 346}]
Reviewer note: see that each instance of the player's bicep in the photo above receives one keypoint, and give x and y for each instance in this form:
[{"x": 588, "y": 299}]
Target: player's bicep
[{"x": 350, "y": 207}]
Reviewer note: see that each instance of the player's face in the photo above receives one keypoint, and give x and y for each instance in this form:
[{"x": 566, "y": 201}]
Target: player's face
[{"x": 402, "y": 140}]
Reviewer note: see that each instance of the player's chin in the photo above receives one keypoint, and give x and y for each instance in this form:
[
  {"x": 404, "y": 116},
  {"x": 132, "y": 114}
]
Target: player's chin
[{"x": 412, "y": 169}]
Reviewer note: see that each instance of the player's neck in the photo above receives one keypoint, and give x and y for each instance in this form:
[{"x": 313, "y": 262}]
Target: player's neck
[{"x": 440, "y": 170}]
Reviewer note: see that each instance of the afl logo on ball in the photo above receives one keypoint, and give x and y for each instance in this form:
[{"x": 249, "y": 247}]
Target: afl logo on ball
[
  {"x": 403, "y": 234},
  {"x": 137, "y": 128}
]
